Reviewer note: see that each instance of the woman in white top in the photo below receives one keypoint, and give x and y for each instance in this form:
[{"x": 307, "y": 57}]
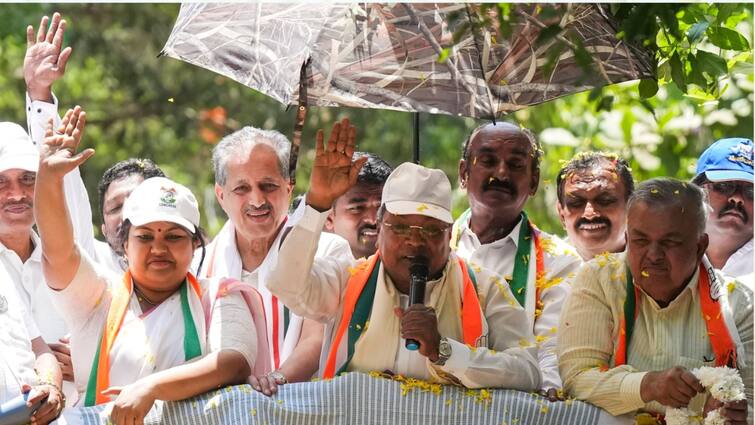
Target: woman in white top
[{"x": 157, "y": 333}]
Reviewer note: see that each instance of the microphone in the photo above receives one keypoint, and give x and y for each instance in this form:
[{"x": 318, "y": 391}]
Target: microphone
[{"x": 417, "y": 280}]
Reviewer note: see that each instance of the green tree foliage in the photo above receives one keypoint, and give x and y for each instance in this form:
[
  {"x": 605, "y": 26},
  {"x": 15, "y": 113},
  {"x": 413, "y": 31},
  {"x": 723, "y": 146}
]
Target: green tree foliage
[{"x": 140, "y": 105}]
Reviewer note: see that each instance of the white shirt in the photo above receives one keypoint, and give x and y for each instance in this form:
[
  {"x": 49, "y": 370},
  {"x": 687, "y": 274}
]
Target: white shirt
[
  {"x": 314, "y": 288},
  {"x": 16, "y": 332},
  {"x": 740, "y": 264},
  {"x": 107, "y": 257},
  {"x": 28, "y": 276},
  {"x": 561, "y": 265}
]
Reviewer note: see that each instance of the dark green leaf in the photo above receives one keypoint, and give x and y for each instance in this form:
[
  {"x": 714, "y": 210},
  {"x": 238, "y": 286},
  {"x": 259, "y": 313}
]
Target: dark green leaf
[
  {"x": 696, "y": 31},
  {"x": 648, "y": 88},
  {"x": 595, "y": 93},
  {"x": 677, "y": 72},
  {"x": 713, "y": 65},
  {"x": 548, "y": 33},
  {"x": 695, "y": 74},
  {"x": 606, "y": 104},
  {"x": 725, "y": 10},
  {"x": 582, "y": 57},
  {"x": 726, "y": 38}
]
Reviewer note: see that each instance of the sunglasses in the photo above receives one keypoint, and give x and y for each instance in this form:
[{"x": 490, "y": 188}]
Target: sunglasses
[
  {"x": 730, "y": 188},
  {"x": 426, "y": 232}
]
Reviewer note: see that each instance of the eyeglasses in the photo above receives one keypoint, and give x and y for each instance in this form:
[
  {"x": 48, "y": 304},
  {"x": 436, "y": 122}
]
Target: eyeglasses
[
  {"x": 427, "y": 232},
  {"x": 729, "y": 188}
]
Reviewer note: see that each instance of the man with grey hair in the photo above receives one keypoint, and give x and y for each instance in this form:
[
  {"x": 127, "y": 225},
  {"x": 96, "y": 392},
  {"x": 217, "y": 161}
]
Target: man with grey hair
[
  {"x": 253, "y": 187},
  {"x": 637, "y": 322}
]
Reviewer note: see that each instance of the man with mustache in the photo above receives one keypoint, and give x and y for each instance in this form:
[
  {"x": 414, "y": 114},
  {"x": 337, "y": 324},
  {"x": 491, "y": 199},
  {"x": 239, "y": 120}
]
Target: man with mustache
[
  {"x": 470, "y": 330},
  {"x": 725, "y": 172},
  {"x": 593, "y": 188},
  {"x": 637, "y": 322},
  {"x": 354, "y": 215},
  {"x": 500, "y": 169},
  {"x": 115, "y": 186},
  {"x": 253, "y": 187},
  {"x": 20, "y": 252}
]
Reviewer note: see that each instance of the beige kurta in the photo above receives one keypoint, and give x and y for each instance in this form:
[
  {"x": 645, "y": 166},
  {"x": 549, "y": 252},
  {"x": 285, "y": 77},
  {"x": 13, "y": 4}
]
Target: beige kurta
[{"x": 663, "y": 337}]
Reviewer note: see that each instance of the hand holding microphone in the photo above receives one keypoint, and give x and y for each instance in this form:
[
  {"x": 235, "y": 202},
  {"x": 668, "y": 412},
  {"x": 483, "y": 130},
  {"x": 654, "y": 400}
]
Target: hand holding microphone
[{"x": 417, "y": 281}]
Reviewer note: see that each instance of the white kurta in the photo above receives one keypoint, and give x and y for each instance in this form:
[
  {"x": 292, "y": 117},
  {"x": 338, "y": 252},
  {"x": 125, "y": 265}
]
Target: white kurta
[
  {"x": 740, "y": 265},
  {"x": 314, "y": 288},
  {"x": 561, "y": 265}
]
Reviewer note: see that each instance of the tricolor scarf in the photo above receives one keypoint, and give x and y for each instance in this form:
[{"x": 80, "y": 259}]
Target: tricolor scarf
[
  {"x": 224, "y": 260},
  {"x": 357, "y": 306},
  {"x": 722, "y": 337},
  {"x": 529, "y": 235},
  {"x": 99, "y": 378}
]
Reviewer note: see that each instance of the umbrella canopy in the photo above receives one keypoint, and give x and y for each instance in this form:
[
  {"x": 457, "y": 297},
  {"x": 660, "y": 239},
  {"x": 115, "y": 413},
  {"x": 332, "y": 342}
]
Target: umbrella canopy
[{"x": 403, "y": 57}]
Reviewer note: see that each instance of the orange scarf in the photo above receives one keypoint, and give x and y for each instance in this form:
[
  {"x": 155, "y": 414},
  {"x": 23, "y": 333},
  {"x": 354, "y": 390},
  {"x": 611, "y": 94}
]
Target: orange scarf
[
  {"x": 356, "y": 310},
  {"x": 718, "y": 332},
  {"x": 99, "y": 378}
]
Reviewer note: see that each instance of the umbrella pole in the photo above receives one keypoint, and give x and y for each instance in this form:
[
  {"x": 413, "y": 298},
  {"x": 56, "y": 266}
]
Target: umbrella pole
[
  {"x": 415, "y": 154},
  {"x": 301, "y": 115}
]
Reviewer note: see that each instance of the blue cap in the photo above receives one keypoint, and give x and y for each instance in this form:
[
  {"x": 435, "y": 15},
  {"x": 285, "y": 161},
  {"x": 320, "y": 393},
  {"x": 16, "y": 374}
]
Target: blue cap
[{"x": 727, "y": 159}]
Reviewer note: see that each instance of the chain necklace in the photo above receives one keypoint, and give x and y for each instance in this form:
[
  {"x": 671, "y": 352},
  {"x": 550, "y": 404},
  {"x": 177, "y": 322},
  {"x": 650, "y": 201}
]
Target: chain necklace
[{"x": 143, "y": 298}]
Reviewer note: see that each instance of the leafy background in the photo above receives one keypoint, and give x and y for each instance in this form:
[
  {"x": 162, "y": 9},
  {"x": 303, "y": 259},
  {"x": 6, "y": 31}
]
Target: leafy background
[{"x": 143, "y": 106}]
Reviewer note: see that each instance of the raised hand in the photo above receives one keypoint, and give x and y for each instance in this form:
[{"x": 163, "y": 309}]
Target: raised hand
[
  {"x": 58, "y": 155},
  {"x": 45, "y": 62},
  {"x": 333, "y": 171}
]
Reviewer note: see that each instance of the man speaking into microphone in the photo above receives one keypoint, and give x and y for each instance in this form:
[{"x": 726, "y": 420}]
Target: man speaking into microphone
[{"x": 469, "y": 330}]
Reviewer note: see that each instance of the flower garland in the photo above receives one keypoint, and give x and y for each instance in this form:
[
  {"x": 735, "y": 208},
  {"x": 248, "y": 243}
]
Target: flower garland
[{"x": 724, "y": 384}]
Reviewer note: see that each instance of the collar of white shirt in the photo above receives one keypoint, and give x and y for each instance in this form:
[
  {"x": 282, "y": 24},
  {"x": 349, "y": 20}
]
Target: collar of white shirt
[
  {"x": 36, "y": 254},
  {"x": 513, "y": 236}
]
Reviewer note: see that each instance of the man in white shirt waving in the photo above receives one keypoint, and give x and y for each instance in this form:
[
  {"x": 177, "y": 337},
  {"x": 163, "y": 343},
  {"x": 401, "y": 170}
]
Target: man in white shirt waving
[
  {"x": 469, "y": 331},
  {"x": 500, "y": 169}
]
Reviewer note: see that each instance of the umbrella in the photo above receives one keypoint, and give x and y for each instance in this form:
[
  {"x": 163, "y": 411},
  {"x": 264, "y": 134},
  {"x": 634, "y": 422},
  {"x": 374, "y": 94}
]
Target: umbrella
[{"x": 418, "y": 57}]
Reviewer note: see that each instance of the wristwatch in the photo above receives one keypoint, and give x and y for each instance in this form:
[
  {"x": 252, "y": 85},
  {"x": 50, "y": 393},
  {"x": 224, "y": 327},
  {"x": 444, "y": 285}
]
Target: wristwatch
[
  {"x": 277, "y": 377},
  {"x": 444, "y": 352}
]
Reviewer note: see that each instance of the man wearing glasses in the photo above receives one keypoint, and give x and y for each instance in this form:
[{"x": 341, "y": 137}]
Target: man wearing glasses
[
  {"x": 470, "y": 329},
  {"x": 725, "y": 172}
]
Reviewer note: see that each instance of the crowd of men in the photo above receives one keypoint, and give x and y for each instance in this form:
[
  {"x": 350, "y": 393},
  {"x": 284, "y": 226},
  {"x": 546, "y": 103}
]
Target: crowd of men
[{"x": 617, "y": 314}]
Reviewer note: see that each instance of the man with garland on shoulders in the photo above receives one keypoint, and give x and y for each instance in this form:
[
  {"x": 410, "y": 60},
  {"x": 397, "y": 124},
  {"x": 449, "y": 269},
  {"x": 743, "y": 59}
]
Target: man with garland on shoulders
[
  {"x": 636, "y": 323},
  {"x": 500, "y": 169},
  {"x": 469, "y": 331}
]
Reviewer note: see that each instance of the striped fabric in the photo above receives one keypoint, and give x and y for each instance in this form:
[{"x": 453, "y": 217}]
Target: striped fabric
[{"x": 357, "y": 398}]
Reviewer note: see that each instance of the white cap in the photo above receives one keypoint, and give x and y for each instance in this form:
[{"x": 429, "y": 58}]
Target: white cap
[
  {"x": 17, "y": 149},
  {"x": 414, "y": 189},
  {"x": 162, "y": 199}
]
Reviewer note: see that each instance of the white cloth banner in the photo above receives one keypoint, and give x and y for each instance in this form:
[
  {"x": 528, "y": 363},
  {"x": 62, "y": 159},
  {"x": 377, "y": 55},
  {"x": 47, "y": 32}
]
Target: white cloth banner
[{"x": 363, "y": 399}]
